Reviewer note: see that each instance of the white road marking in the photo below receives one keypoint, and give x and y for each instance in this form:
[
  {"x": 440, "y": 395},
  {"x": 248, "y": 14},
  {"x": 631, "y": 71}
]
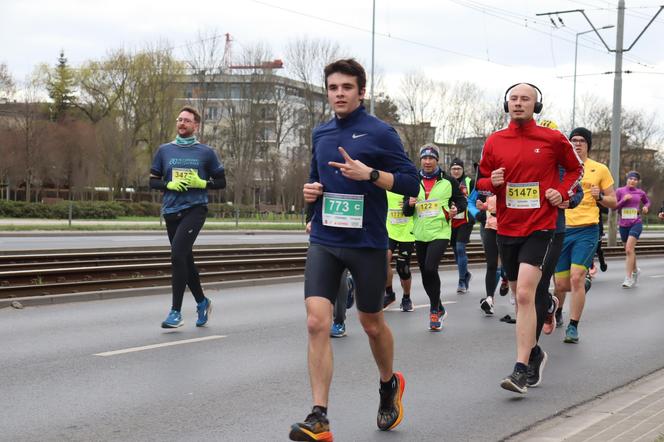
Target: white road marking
[
  {"x": 656, "y": 276},
  {"x": 163, "y": 344},
  {"x": 418, "y": 306}
]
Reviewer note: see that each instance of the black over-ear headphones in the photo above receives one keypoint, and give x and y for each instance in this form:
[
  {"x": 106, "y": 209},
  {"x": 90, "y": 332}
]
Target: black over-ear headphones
[{"x": 538, "y": 103}]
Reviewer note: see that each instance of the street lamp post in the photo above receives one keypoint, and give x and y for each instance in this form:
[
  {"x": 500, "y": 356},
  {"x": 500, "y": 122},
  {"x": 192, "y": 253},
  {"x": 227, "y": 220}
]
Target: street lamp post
[{"x": 576, "y": 50}]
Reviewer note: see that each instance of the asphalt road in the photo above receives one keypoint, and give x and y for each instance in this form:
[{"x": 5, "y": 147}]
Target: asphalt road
[{"x": 248, "y": 380}]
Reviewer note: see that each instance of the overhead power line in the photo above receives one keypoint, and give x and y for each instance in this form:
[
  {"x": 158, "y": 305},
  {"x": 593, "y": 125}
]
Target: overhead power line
[{"x": 390, "y": 36}]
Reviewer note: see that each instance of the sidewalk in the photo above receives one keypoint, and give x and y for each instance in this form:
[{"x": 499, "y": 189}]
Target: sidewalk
[{"x": 634, "y": 412}]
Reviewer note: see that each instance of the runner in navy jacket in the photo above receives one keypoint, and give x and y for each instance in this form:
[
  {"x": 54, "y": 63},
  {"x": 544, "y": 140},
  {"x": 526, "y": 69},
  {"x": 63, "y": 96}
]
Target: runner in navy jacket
[{"x": 355, "y": 159}]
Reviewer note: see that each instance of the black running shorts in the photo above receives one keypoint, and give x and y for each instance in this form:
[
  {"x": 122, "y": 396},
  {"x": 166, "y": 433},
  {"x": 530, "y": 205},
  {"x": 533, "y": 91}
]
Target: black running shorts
[
  {"x": 324, "y": 266},
  {"x": 531, "y": 249}
]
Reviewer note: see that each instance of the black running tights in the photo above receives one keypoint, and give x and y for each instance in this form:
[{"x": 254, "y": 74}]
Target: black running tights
[
  {"x": 182, "y": 232},
  {"x": 428, "y": 259},
  {"x": 542, "y": 295},
  {"x": 491, "y": 253}
]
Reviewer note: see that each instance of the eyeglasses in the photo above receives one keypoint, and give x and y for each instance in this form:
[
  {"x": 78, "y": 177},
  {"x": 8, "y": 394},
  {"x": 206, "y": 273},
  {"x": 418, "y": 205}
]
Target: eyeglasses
[{"x": 184, "y": 120}]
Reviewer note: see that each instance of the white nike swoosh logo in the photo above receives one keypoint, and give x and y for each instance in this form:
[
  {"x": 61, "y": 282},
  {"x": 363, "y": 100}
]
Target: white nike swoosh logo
[{"x": 358, "y": 135}]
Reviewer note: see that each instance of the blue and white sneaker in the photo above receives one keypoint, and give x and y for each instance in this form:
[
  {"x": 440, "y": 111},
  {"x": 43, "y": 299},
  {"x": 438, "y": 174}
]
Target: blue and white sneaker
[
  {"x": 204, "y": 308},
  {"x": 338, "y": 330},
  {"x": 571, "y": 335},
  {"x": 173, "y": 320}
]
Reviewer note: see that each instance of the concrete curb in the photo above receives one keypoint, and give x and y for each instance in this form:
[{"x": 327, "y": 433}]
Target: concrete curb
[{"x": 30, "y": 301}]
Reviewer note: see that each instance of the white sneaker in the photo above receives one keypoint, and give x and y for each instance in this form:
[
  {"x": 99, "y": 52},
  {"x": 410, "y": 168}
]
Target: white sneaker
[
  {"x": 635, "y": 276},
  {"x": 487, "y": 305},
  {"x": 628, "y": 283}
]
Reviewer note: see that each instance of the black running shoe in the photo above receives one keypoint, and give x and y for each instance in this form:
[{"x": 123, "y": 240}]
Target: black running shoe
[
  {"x": 315, "y": 427},
  {"x": 602, "y": 265},
  {"x": 390, "y": 410},
  {"x": 504, "y": 287},
  {"x": 486, "y": 304},
  {"x": 535, "y": 369},
  {"x": 516, "y": 382},
  {"x": 389, "y": 299},
  {"x": 406, "y": 304}
]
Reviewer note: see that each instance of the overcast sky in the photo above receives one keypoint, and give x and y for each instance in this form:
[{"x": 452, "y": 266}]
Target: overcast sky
[{"x": 491, "y": 43}]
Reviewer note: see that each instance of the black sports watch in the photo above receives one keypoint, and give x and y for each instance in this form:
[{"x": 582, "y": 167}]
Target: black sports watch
[{"x": 374, "y": 175}]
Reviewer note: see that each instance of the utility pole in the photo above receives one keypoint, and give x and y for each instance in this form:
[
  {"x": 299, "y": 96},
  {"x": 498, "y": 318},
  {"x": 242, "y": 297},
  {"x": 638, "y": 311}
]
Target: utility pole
[
  {"x": 616, "y": 126},
  {"x": 372, "y": 108}
]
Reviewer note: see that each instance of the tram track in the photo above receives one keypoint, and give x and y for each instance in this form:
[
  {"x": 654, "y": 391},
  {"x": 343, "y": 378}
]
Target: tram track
[{"x": 63, "y": 272}]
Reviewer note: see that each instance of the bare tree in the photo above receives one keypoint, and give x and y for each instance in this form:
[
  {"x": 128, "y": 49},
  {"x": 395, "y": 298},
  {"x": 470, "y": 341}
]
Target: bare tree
[
  {"x": 242, "y": 128},
  {"x": 305, "y": 60},
  {"x": 206, "y": 63},
  {"x": 459, "y": 116},
  {"x": 6, "y": 83},
  {"x": 418, "y": 102},
  {"x": 100, "y": 85},
  {"x": 158, "y": 90},
  {"x": 29, "y": 125}
]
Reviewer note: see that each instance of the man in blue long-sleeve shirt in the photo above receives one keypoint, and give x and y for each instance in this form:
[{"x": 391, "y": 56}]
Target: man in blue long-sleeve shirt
[{"x": 355, "y": 158}]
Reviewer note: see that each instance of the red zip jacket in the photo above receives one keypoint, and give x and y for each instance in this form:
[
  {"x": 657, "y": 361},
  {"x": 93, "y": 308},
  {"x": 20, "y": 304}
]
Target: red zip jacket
[{"x": 531, "y": 156}]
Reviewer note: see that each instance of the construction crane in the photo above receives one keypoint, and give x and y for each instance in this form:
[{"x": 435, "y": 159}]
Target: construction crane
[{"x": 226, "y": 61}]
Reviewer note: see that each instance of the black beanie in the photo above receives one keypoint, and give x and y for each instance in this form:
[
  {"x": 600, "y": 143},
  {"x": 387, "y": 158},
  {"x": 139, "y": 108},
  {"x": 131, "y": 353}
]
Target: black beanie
[
  {"x": 457, "y": 162},
  {"x": 585, "y": 133}
]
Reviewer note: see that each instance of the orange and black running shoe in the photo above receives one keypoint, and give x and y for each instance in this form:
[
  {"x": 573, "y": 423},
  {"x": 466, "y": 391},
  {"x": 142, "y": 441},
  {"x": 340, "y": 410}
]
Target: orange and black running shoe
[
  {"x": 315, "y": 427},
  {"x": 390, "y": 410}
]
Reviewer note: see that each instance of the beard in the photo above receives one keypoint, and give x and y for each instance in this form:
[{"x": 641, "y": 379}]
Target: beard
[{"x": 185, "y": 133}]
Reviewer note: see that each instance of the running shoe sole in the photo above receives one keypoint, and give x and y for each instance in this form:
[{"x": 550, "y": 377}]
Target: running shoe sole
[
  {"x": 402, "y": 386},
  {"x": 508, "y": 384},
  {"x": 570, "y": 340},
  {"x": 541, "y": 370},
  {"x": 298, "y": 433}
]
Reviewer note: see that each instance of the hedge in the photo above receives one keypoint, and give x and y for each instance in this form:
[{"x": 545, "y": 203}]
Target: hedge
[
  {"x": 114, "y": 209},
  {"x": 80, "y": 209}
]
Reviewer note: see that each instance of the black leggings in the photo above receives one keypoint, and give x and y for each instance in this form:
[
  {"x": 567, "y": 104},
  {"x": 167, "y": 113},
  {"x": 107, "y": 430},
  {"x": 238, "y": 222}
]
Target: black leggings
[
  {"x": 183, "y": 228},
  {"x": 542, "y": 295},
  {"x": 599, "y": 251},
  {"x": 491, "y": 253},
  {"x": 428, "y": 258}
]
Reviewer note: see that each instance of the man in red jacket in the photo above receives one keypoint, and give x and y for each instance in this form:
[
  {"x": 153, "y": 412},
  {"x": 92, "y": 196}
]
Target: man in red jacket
[{"x": 520, "y": 165}]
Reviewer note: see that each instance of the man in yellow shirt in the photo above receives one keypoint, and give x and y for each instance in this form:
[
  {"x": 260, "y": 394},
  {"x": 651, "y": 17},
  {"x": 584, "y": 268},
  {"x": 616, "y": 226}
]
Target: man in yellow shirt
[{"x": 582, "y": 231}]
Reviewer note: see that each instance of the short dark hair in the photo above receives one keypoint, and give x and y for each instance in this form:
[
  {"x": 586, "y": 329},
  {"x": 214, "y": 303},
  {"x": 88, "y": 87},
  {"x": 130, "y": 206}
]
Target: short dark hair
[
  {"x": 348, "y": 66},
  {"x": 192, "y": 110}
]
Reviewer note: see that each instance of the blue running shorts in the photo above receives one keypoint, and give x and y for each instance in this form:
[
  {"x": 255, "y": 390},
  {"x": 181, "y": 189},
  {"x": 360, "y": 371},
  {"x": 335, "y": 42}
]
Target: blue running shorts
[{"x": 578, "y": 248}]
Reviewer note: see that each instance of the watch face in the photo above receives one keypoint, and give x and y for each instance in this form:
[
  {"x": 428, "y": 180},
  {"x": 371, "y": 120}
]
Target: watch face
[{"x": 374, "y": 175}]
